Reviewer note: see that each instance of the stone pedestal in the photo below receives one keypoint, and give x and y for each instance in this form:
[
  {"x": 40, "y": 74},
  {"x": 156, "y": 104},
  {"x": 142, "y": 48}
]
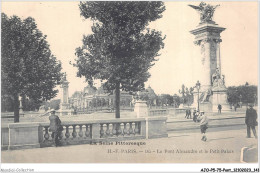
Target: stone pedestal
[
  {"x": 24, "y": 135},
  {"x": 141, "y": 109},
  {"x": 64, "y": 109},
  {"x": 220, "y": 97}
]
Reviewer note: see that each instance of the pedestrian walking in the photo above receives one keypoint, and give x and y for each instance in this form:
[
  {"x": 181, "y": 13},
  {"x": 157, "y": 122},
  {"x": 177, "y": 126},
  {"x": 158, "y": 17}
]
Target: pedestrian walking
[
  {"x": 235, "y": 107},
  {"x": 219, "y": 108},
  {"x": 194, "y": 115},
  {"x": 203, "y": 125},
  {"x": 251, "y": 121},
  {"x": 189, "y": 114},
  {"x": 55, "y": 127}
]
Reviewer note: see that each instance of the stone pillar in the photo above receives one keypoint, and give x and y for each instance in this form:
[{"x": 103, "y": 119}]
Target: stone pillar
[
  {"x": 64, "y": 105},
  {"x": 65, "y": 94},
  {"x": 21, "y": 105},
  {"x": 207, "y": 36},
  {"x": 141, "y": 109}
]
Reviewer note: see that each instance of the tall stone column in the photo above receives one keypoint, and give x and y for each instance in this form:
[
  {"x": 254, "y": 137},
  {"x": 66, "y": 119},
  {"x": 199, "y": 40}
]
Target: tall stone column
[
  {"x": 65, "y": 94},
  {"x": 64, "y": 105},
  {"x": 207, "y": 36}
]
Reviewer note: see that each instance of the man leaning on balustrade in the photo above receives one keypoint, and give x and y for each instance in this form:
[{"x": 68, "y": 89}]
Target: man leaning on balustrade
[{"x": 55, "y": 127}]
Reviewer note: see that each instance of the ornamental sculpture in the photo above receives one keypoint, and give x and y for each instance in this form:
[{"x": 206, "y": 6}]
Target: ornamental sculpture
[
  {"x": 217, "y": 81},
  {"x": 206, "y": 12}
]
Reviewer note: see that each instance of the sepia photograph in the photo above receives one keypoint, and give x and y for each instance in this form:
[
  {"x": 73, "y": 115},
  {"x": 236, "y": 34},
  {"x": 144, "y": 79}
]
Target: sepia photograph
[{"x": 129, "y": 82}]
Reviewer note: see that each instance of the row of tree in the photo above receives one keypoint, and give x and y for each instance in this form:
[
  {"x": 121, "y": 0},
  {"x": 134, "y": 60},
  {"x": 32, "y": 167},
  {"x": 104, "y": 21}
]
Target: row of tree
[{"x": 243, "y": 93}]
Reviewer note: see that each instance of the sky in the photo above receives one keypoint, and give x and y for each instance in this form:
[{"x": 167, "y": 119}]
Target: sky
[{"x": 180, "y": 60}]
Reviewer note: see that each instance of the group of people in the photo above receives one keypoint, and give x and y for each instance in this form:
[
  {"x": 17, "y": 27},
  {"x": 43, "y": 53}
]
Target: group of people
[
  {"x": 250, "y": 120},
  {"x": 195, "y": 114}
]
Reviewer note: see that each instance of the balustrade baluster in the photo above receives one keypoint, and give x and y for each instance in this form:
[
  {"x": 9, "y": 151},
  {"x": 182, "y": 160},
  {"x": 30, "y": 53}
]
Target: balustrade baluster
[
  {"x": 114, "y": 131},
  {"x": 46, "y": 135},
  {"x": 67, "y": 134},
  {"x": 133, "y": 127},
  {"x": 108, "y": 130},
  {"x": 119, "y": 130},
  {"x": 137, "y": 131},
  {"x": 74, "y": 133},
  {"x": 80, "y": 131},
  {"x": 125, "y": 129},
  {"x": 102, "y": 131},
  {"x": 87, "y": 131},
  {"x": 130, "y": 129}
]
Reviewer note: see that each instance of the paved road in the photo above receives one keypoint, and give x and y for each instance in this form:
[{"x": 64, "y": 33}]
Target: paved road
[{"x": 223, "y": 146}]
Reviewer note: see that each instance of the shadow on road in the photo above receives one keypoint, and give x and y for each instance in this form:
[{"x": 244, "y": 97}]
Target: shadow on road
[
  {"x": 219, "y": 139},
  {"x": 177, "y": 136}
]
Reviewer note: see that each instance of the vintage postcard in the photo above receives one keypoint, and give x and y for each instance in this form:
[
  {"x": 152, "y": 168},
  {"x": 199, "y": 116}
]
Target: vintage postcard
[{"x": 129, "y": 82}]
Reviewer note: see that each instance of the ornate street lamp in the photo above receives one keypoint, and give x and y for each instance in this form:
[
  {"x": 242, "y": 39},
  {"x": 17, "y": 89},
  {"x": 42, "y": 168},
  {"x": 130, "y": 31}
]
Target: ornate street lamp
[
  {"x": 198, "y": 88},
  {"x": 240, "y": 97}
]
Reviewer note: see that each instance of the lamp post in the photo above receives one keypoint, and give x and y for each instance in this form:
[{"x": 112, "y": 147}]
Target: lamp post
[
  {"x": 240, "y": 97},
  {"x": 198, "y": 88}
]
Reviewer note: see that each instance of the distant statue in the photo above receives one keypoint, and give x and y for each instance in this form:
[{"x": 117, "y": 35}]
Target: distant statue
[
  {"x": 215, "y": 75},
  {"x": 64, "y": 78},
  {"x": 206, "y": 11},
  {"x": 205, "y": 96},
  {"x": 216, "y": 79},
  {"x": 223, "y": 79}
]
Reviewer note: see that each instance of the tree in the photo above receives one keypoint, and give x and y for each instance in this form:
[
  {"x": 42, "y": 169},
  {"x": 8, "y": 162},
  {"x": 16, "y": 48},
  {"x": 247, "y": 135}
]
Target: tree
[
  {"x": 28, "y": 67},
  {"x": 121, "y": 49},
  {"x": 246, "y": 93},
  {"x": 176, "y": 100},
  {"x": 30, "y": 104},
  {"x": 167, "y": 99},
  {"x": 187, "y": 94}
]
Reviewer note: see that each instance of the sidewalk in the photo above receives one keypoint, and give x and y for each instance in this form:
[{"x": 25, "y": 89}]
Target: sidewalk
[
  {"x": 227, "y": 119},
  {"x": 221, "y": 147},
  {"x": 211, "y": 116}
]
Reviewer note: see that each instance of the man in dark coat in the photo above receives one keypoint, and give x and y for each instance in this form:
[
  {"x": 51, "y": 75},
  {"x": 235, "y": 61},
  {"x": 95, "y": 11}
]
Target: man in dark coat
[
  {"x": 219, "y": 108},
  {"x": 250, "y": 120},
  {"x": 187, "y": 113},
  {"x": 194, "y": 116},
  {"x": 55, "y": 127}
]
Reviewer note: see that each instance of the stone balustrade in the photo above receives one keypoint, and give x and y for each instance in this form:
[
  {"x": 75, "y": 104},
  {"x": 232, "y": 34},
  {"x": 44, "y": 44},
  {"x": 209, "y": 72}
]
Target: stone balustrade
[
  {"x": 81, "y": 132},
  {"x": 158, "y": 112},
  {"x": 35, "y": 135}
]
